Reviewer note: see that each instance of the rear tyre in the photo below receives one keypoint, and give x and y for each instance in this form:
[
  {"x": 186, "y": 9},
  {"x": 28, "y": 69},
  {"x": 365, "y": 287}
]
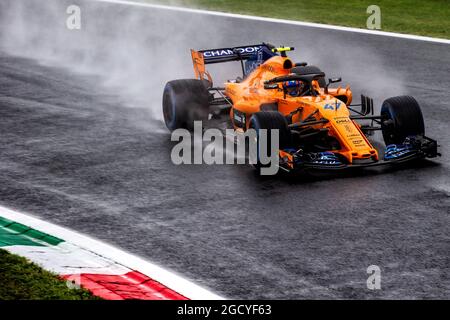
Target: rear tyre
[
  {"x": 270, "y": 120},
  {"x": 401, "y": 117},
  {"x": 185, "y": 101}
]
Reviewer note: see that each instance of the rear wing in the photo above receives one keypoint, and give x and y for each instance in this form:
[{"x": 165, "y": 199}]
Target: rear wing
[
  {"x": 230, "y": 54},
  {"x": 204, "y": 57}
]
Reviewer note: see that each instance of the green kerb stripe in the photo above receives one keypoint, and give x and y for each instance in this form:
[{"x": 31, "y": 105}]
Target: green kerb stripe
[{"x": 13, "y": 233}]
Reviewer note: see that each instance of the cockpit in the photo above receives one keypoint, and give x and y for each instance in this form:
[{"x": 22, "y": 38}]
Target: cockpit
[{"x": 294, "y": 88}]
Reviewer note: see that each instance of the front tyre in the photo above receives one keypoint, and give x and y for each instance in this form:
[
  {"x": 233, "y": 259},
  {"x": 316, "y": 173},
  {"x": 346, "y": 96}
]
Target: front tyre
[
  {"x": 270, "y": 120},
  {"x": 401, "y": 117}
]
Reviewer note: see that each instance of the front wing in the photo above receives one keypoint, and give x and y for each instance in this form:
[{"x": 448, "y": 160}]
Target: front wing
[{"x": 418, "y": 148}]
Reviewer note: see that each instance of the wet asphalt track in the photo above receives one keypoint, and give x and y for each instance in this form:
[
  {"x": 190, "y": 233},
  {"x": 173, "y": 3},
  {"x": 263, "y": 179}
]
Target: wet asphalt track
[{"x": 73, "y": 153}]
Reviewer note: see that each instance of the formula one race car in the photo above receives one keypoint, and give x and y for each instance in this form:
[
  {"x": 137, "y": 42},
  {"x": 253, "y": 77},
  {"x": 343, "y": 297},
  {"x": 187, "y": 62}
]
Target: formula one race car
[{"x": 318, "y": 126}]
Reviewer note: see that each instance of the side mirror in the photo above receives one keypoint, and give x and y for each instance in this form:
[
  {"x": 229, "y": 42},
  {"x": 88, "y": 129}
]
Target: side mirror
[
  {"x": 334, "y": 80},
  {"x": 301, "y": 64},
  {"x": 330, "y": 81},
  {"x": 271, "y": 86}
]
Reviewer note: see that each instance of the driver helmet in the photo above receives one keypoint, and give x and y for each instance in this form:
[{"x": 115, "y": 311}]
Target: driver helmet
[{"x": 294, "y": 87}]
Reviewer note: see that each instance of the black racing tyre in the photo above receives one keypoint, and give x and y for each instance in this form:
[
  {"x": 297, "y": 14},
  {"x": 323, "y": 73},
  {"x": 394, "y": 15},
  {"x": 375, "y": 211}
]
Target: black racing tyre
[
  {"x": 401, "y": 117},
  {"x": 270, "y": 120},
  {"x": 185, "y": 101},
  {"x": 309, "y": 70}
]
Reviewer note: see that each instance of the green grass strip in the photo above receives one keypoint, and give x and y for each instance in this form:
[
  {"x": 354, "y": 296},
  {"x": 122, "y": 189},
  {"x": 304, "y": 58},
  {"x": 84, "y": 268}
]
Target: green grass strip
[
  {"x": 23, "y": 280},
  {"x": 427, "y": 18}
]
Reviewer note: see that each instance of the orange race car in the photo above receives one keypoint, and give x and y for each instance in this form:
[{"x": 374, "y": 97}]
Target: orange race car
[{"x": 318, "y": 126}]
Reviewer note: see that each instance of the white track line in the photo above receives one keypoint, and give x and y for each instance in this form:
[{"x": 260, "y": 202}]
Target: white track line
[
  {"x": 273, "y": 20},
  {"x": 68, "y": 259},
  {"x": 167, "y": 278}
]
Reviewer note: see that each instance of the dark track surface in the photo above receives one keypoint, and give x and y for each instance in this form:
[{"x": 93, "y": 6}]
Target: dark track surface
[{"x": 74, "y": 153}]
